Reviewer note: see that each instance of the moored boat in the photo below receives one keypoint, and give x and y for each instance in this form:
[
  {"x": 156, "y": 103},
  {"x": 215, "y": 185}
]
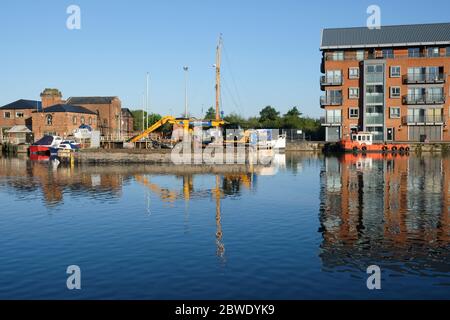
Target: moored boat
[
  {"x": 45, "y": 145},
  {"x": 363, "y": 142}
]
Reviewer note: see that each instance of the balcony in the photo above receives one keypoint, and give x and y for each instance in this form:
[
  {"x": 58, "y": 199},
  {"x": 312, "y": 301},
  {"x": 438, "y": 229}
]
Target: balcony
[
  {"x": 375, "y": 98},
  {"x": 423, "y": 120},
  {"x": 415, "y": 78},
  {"x": 413, "y": 99},
  {"x": 330, "y": 121},
  {"x": 374, "y": 77},
  {"x": 374, "y": 119},
  {"x": 330, "y": 81},
  {"x": 330, "y": 101}
]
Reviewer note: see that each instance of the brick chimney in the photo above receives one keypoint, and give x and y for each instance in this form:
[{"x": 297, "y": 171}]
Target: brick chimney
[{"x": 50, "y": 97}]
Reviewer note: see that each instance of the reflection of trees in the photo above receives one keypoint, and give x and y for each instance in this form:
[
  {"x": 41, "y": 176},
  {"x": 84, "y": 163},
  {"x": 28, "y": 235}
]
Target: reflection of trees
[{"x": 385, "y": 209}]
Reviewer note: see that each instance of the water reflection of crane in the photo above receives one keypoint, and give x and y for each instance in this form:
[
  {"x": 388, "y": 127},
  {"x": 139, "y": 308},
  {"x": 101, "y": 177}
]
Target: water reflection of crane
[{"x": 228, "y": 186}]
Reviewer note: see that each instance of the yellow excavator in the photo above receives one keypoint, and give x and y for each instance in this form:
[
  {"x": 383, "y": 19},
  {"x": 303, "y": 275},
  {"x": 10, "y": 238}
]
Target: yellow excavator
[{"x": 186, "y": 123}]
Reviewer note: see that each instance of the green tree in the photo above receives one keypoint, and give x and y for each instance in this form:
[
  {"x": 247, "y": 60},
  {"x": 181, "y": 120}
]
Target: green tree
[
  {"x": 293, "y": 113},
  {"x": 268, "y": 114},
  {"x": 137, "y": 116},
  {"x": 210, "y": 114}
]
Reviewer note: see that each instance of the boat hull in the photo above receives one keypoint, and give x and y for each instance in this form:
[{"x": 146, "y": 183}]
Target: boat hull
[
  {"x": 39, "y": 150},
  {"x": 351, "y": 146}
]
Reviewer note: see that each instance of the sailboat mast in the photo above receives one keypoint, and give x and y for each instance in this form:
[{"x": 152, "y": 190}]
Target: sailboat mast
[{"x": 218, "y": 61}]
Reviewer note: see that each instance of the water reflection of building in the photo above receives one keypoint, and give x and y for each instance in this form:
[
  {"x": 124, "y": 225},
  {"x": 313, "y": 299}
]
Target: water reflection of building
[
  {"x": 24, "y": 175},
  {"x": 379, "y": 208}
]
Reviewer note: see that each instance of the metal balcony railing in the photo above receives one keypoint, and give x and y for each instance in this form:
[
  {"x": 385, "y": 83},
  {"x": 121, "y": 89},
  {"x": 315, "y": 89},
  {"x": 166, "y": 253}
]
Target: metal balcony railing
[
  {"x": 331, "y": 80},
  {"x": 412, "y": 78},
  {"x": 424, "y": 99},
  {"x": 352, "y": 56},
  {"x": 423, "y": 119},
  {"x": 330, "y": 101},
  {"x": 331, "y": 120}
]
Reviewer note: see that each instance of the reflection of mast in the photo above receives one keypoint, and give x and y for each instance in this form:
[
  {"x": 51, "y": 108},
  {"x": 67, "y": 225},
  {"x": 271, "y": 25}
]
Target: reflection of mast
[{"x": 219, "y": 234}]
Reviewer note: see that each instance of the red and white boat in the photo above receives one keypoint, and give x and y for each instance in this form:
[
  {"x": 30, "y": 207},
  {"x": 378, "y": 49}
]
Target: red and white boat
[
  {"x": 363, "y": 142},
  {"x": 45, "y": 145}
]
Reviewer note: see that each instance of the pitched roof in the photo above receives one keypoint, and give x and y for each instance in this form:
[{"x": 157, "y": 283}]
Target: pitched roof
[
  {"x": 386, "y": 36},
  {"x": 23, "y": 104},
  {"x": 19, "y": 129},
  {"x": 67, "y": 108},
  {"x": 90, "y": 100},
  {"x": 125, "y": 111}
]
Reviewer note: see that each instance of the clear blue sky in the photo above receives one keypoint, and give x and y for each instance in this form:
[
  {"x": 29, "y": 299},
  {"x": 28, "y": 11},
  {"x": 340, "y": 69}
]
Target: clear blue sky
[{"x": 271, "y": 49}]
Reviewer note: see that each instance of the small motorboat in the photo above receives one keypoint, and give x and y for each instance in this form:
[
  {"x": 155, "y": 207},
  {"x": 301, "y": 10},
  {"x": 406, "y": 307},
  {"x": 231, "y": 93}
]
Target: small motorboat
[
  {"x": 46, "y": 145},
  {"x": 69, "y": 145}
]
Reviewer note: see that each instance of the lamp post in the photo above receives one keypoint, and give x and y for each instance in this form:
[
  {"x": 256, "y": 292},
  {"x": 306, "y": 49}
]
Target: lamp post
[{"x": 186, "y": 71}]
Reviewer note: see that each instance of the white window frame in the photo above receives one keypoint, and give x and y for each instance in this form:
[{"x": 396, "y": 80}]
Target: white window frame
[
  {"x": 19, "y": 112},
  {"x": 395, "y": 75},
  {"x": 399, "y": 92},
  {"x": 350, "y": 76},
  {"x": 350, "y": 96},
  {"x": 350, "y": 116},
  {"x": 7, "y": 112},
  {"x": 392, "y": 116}
]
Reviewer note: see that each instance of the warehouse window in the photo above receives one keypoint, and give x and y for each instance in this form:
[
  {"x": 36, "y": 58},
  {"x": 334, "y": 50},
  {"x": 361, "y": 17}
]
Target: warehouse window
[
  {"x": 7, "y": 115},
  {"x": 49, "y": 120}
]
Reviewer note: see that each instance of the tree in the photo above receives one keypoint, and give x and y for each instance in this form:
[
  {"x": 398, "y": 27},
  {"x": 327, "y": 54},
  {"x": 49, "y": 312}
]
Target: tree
[
  {"x": 210, "y": 114},
  {"x": 293, "y": 113},
  {"x": 137, "y": 116},
  {"x": 268, "y": 114},
  {"x": 269, "y": 118}
]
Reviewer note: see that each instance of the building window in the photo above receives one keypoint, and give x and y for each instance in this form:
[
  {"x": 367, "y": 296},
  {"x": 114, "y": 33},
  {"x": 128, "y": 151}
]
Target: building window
[
  {"x": 388, "y": 53},
  {"x": 360, "y": 55},
  {"x": 433, "y": 52},
  {"x": 74, "y": 120},
  {"x": 82, "y": 121},
  {"x": 447, "y": 51},
  {"x": 414, "y": 52},
  {"x": 395, "y": 72},
  {"x": 7, "y": 115},
  {"x": 353, "y": 93},
  {"x": 353, "y": 113},
  {"x": 49, "y": 120},
  {"x": 353, "y": 73},
  {"x": 90, "y": 121},
  {"x": 19, "y": 115},
  {"x": 395, "y": 92},
  {"x": 338, "y": 56},
  {"x": 105, "y": 122},
  {"x": 394, "y": 112}
]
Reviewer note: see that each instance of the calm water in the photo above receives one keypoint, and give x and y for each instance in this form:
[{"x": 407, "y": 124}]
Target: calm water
[{"x": 308, "y": 227}]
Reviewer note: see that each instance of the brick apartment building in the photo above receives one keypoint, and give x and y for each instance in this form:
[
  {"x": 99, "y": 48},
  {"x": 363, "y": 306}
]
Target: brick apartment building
[{"x": 392, "y": 82}]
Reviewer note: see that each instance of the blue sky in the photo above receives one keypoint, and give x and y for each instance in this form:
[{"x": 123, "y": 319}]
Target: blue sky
[{"x": 271, "y": 54}]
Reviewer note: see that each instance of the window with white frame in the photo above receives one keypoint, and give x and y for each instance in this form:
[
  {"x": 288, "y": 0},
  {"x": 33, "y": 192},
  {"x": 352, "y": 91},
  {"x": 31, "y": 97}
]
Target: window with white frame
[
  {"x": 19, "y": 115},
  {"x": 7, "y": 115},
  {"x": 353, "y": 93},
  {"x": 353, "y": 73},
  {"x": 395, "y": 72},
  {"x": 394, "y": 112},
  {"x": 395, "y": 92},
  {"x": 360, "y": 55},
  {"x": 353, "y": 113}
]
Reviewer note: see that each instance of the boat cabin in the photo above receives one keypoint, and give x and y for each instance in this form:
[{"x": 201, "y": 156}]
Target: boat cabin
[{"x": 363, "y": 138}]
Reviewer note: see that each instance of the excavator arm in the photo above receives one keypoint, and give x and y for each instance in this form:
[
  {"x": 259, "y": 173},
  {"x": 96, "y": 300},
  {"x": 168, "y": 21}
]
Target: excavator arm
[{"x": 154, "y": 127}]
